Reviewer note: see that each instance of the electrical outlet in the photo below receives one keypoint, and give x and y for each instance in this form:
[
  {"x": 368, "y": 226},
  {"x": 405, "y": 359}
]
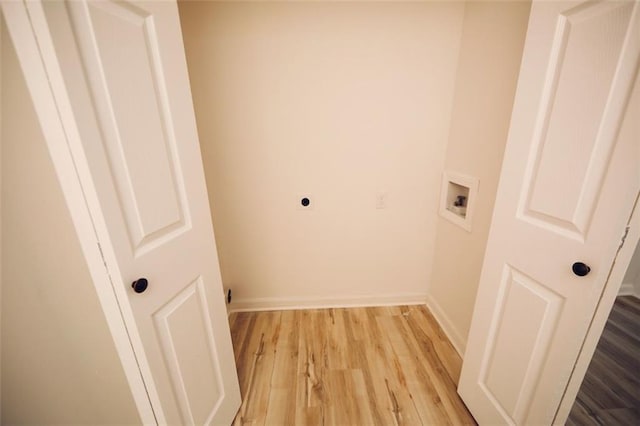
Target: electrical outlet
[{"x": 381, "y": 200}]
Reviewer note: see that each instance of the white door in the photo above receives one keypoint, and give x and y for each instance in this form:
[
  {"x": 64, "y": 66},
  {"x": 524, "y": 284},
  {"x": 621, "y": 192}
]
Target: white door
[
  {"x": 124, "y": 75},
  {"x": 571, "y": 174}
]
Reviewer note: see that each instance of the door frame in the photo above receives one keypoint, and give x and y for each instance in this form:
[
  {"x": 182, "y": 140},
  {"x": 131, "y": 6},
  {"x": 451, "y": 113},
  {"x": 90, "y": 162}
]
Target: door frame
[
  {"x": 29, "y": 32},
  {"x": 630, "y": 238}
]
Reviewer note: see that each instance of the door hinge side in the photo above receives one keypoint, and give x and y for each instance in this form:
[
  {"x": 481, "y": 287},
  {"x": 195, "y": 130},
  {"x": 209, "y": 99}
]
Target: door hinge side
[
  {"x": 624, "y": 237},
  {"x": 104, "y": 262}
]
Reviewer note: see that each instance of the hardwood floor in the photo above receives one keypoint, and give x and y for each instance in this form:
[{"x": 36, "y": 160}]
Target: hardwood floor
[
  {"x": 356, "y": 366},
  {"x": 610, "y": 392}
]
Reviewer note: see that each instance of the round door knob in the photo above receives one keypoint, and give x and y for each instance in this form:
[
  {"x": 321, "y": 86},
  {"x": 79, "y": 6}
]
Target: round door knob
[
  {"x": 140, "y": 285},
  {"x": 580, "y": 269}
]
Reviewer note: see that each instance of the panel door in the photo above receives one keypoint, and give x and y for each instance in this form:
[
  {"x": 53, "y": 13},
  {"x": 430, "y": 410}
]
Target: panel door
[
  {"x": 570, "y": 176},
  {"x": 125, "y": 72}
]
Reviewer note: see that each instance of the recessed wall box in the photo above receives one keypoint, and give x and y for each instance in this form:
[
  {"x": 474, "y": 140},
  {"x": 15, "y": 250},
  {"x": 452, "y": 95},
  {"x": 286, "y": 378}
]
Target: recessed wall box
[{"x": 458, "y": 198}]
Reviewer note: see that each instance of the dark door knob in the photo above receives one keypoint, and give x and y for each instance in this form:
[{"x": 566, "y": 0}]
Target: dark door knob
[
  {"x": 140, "y": 285},
  {"x": 580, "y": 269}
]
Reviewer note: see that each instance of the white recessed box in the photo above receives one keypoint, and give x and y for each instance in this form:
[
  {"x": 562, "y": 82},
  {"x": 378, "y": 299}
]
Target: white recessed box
[{"x": 458, "y": 198}]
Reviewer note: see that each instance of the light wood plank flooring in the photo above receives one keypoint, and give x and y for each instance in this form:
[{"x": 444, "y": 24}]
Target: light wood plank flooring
[
  {"x": 610, "y": 392},
  {"x": 356, "y": 366}
]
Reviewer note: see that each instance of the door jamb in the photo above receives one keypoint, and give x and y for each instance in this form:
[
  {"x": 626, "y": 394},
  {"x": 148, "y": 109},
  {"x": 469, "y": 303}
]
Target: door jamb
[
  {"x": 621, "y": 262},
  {"x": 29, "y": 32}
]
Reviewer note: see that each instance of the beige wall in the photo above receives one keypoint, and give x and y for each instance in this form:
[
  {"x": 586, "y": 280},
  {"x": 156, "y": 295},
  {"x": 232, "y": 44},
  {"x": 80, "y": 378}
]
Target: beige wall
[
  {"x": 490, "y": 53},
  {"x": 59, "y": 364},
  {"x": 336, "y": 100}
]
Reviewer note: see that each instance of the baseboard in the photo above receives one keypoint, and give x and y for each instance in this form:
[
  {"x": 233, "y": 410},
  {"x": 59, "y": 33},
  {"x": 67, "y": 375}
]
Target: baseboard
[
  {"x": 288, "y": 303},
  {"x": 447, "y": 326},
  {"x": 628, "y": 289}
]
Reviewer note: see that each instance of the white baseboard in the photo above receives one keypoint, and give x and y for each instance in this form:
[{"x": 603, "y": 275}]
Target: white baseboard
[
  {"x": 287, "y": 303},
  {"x": 447, "y": 326},
  {"x": 628, "y": 289}
]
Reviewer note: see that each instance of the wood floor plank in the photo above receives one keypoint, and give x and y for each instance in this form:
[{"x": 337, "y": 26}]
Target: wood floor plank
[
  {"x": 364, "y": 366},
  {"x": 597, "y": 395},
  {"x": 310, "y": 387},
  {"x": 347, "y": 402},
  {"x": 242, "y": 323},
  {"x": 257, "y": 383},
  {"x": 337, "y": 349},
  {"x": 610, "y": 391},
  {"x": 421, "y": 316},
  {"x": 238, "y": 323},
  {"x": 283, "y": 389},
  {"x": 581, "y": 416},
  {"x": 620, "y": 416},
  {"x": 629, "y": 303},
  {"x": 439, "y": 408},
  {"x": 365, "y": 358},
  {"x": 390, "y": 385},
  {"x": 444, "y": 383},
  {"x": 430, "y": 407},
  {"x": 624, "y": 389},
  {"x": 242, "y": 355}
]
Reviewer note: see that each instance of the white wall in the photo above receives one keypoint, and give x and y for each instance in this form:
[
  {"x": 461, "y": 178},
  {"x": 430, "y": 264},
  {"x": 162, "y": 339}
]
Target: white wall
[
  {"x": 59, "y": 362},
  {"x": 490, "y": 53},
  {"x": 631, "y": 281},
  {"x": 336, "y": 100}
]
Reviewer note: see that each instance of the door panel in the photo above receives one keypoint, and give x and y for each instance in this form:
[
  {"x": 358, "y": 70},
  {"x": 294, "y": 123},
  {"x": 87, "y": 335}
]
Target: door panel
[
  {"x": 124, "y": 68},
  {"x": 193, "y": 366},
  {"x": 518, "y": 339},
  {"x": 567, "y": 187},
  {"x": 585, "y": 52},
  {"x": 135, "y": 119}
]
